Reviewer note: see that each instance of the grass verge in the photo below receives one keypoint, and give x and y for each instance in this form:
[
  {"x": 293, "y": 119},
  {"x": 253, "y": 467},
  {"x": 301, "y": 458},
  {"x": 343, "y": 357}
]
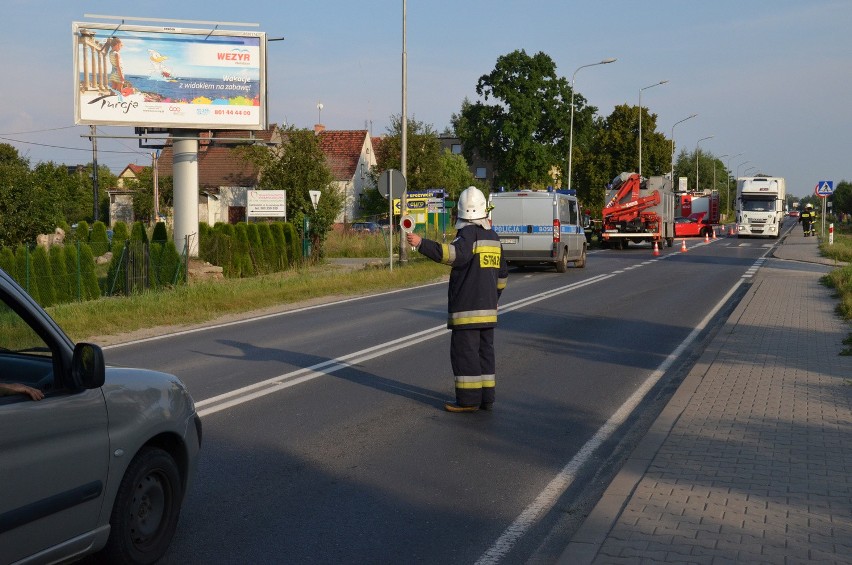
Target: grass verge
[{"x": 206, "y": 301}]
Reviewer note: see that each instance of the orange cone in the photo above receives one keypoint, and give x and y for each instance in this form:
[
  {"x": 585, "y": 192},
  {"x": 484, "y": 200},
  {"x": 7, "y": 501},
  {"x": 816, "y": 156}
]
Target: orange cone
[
  {"x": 706, "y": 237},
  {"x": 683, "y": 246},
  {"x": 731, "y": 231},
  {"x": 714, "y": 233},
  {"x": 656, "y": 250}
]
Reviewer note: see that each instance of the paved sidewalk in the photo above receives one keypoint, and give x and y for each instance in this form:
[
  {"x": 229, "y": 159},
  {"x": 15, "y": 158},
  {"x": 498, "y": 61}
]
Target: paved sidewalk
[{"x": 751, "y": 460}]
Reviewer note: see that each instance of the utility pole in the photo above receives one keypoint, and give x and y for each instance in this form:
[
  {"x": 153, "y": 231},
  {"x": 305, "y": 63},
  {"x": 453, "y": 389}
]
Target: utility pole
[
  {"x": 94, "y": 139},
  {"x": 154, "y": 162}
]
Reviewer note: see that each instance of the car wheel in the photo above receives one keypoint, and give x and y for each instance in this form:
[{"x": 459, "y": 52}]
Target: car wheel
[
  {"x": 581, "y": 262},
  {"x": 562, "y": 262},
  {"x": 146, "y": 510}
]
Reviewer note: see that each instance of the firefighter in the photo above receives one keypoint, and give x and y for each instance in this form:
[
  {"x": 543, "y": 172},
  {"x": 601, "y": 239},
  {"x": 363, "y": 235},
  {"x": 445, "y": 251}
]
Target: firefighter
[
  {"x": 477, "y": 279},
  {"x": 808, "y": 219}
]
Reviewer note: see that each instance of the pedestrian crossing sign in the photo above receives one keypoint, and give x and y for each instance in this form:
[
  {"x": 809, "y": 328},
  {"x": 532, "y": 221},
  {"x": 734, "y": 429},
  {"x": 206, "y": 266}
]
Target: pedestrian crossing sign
[{"x": 824, "y": 188}]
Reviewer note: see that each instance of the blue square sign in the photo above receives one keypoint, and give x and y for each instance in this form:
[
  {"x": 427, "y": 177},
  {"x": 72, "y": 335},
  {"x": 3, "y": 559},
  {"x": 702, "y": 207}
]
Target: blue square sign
[{"x": 824, "y": 188}]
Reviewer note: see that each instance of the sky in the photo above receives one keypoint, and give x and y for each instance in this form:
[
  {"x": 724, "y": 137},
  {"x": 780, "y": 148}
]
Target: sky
[{"x": 768, "y": 79}]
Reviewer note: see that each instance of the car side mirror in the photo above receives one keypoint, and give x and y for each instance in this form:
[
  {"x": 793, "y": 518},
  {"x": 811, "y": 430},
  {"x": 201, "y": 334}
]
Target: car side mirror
[{"x": 87, "y": 366}]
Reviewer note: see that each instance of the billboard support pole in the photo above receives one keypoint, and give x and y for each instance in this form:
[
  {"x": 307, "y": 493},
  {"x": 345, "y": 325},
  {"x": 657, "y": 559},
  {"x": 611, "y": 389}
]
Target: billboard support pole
[{"x": 186, "y": 189}]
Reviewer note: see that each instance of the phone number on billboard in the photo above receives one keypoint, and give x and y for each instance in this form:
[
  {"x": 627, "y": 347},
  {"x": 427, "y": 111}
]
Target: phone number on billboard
[{"x": 233, "y": 112}]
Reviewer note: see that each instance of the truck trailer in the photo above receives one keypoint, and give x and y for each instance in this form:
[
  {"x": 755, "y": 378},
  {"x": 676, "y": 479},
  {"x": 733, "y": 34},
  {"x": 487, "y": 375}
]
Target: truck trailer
[
  {"x": 638, "y": 210},
  {"x": 760, "y": 206},
  {"x": 539, "y": 228}
]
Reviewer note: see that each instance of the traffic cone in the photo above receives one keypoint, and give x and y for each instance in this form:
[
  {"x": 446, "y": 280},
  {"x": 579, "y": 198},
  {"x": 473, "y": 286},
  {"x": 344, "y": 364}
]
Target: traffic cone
[
  {"x": 731, "y": 231},
  {"x": 706, "y": 237},
  {"x": 714, "y": 233},
  {"x": 683, "y": 246},
  {"x": 656, "y": 250}
]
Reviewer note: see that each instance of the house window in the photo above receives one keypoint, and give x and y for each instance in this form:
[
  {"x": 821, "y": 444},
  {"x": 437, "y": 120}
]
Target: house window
[
  {"x": 456, "y": 149},
  {"x": 480, "y": 173}
]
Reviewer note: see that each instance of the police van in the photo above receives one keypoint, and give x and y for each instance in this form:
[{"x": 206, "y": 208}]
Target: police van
[{"x": 538, "y": 227}]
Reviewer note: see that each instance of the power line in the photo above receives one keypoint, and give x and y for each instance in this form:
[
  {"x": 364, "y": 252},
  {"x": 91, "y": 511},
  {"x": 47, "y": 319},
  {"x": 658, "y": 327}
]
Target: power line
[
  {"x": 68, "y": 148},
  {"x": 37, "y": 130}
]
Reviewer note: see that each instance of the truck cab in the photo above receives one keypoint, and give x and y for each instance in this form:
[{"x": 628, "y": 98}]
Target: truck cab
[{"x": 539, "y": 228}]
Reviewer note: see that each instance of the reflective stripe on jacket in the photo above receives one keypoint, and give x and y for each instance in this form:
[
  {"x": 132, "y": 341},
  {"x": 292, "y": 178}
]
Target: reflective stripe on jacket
[{"x": 479, "y": 275}]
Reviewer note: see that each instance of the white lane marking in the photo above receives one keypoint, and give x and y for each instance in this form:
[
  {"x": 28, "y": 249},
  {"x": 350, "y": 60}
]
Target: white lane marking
[
  {"x": 274, "y": 384},
  {"x": 560, "y": 483}
]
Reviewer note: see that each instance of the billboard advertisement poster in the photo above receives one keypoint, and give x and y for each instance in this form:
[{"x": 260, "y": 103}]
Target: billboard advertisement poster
[{"x": 169, "y": 77}]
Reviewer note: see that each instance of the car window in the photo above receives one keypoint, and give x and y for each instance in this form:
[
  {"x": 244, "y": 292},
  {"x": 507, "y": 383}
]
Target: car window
[{"x": 24, "y": 355}]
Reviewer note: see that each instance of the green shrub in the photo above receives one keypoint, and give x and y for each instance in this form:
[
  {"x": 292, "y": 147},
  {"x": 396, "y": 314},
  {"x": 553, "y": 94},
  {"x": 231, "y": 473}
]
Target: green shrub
[
  {"x": 138, "y": 233},
  {"x": 24, "y": 273},
  {"x": 62, "y": 278},
  {"x": 294, "y": 244},
  {"x": 115, "y": 280},
  {"x": 43, "y": 276},
  {"x": 7, "y": 261},
  {"x": 161, "y": 234},
  {"x": 280, "y": 243},
  {"x": 120, "y": 233},
  {"x": 88, "y": 278},
  {"x": 98, "y": 239},
  {"x": 242, "y": 255},
  {"x": 81, "y": 232}
]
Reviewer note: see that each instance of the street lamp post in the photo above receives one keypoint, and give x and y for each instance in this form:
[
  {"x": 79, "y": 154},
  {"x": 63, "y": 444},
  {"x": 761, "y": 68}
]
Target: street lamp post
[
  {"x": 720, "y": 157},
  {"x": 673, "y": 126},
  {"x": 738, "y": 169},
  {"x": 640, "y": 120},
  {"x": 696, "y": 159},
  {"x": 571, "y": 130}
]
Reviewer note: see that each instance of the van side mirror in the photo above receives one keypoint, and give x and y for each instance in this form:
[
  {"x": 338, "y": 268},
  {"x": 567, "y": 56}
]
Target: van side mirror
[{"x": 87, "y": 366}]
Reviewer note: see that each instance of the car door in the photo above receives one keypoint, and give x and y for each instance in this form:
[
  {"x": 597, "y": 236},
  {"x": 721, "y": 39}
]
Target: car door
[{"x": 54, "y": 452}]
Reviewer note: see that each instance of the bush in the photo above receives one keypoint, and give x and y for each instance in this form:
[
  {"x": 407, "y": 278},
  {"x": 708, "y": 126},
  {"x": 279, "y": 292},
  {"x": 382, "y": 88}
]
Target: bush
[
  {"x": 81, "y": 232},
  {"x": 242, "y": 257},
  {"x": 24, "y": 273},
  {"x": 7, "y": 261},
  {"x": 294, "y": 244},
  {"x": 120, "y": 234},
  {"x": 43, "y": 276},
  {"x": 280, "y": 243},
  {"x": 161, "y": 235},
  {"x": 62, "y": 277},
  {"x": 138, "y": 233},
  {"x": 98, "y": 239},
  {"x": 89, "y": 288}
]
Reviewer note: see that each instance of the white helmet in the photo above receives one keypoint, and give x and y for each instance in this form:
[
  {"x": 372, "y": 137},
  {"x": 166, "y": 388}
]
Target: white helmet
[
  {"x": 472, "y": 204},
  {"x": 809, "y": 205}
]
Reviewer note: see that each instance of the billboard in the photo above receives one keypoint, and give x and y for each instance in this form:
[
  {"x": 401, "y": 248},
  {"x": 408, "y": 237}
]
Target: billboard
[{"x": 169, "y": 77}]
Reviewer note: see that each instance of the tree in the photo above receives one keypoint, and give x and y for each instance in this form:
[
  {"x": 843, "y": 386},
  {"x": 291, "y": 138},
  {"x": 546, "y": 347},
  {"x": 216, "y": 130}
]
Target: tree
[
  {"x": 842, "y": 198},
  {"x": 297, "y": 166},
  {"x": 525, "y": 132},
  {"x": 614, "y": 149},
  {"x": 27, "y": 208},
  {"x": 455, "y": 175},
  {"x": 423, "y": 154}
]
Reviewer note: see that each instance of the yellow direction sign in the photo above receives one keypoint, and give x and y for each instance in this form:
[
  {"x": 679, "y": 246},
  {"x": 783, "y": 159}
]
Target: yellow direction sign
[{"x": 412, "y": 205}]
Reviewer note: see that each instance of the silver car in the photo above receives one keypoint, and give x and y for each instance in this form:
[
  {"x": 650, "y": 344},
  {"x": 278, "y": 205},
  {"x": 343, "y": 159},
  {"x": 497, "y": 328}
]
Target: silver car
[{"x": 102, "y": 463}]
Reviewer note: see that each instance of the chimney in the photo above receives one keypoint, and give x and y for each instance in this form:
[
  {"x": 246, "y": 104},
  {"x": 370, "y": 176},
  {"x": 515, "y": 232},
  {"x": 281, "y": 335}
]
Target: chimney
[{"x": 319, "y": 128}]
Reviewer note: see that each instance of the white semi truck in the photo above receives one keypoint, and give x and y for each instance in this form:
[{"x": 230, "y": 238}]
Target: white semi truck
[{"x": 760, "y": 206}]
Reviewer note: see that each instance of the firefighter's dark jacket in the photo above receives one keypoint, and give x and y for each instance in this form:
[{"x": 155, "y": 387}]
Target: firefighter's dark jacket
[{"x": 477, "y": 279}]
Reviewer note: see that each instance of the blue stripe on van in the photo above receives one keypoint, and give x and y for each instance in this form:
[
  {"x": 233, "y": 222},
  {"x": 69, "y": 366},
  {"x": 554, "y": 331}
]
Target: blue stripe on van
[{"x": 522, "y": 229}]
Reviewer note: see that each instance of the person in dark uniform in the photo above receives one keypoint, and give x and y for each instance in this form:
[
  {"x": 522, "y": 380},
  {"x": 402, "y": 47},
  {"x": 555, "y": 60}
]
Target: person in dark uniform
[
  {"x": 808, "y": 219},
  {"x": 478, "y": 277}
]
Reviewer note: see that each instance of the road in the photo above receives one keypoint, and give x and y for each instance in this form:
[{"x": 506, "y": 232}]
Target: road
[{"x": 324, "y": 435}]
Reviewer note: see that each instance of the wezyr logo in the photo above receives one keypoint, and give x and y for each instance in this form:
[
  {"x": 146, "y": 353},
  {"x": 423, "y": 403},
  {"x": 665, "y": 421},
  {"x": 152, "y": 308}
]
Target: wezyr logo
[{"x": 238, "y": 56}]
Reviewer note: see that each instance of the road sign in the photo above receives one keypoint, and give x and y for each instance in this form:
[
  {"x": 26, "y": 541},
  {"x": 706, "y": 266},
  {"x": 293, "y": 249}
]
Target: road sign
[
  {"x": 391, "y": 181},
  {"x": 412, "y": 205},
  {"x": 315, "y": 196},
  {"x": 824, "y": 188}
]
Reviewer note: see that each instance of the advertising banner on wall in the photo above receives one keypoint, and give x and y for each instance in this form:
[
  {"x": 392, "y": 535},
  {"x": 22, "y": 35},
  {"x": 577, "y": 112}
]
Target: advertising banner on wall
[{"x": 169, "y": 77}]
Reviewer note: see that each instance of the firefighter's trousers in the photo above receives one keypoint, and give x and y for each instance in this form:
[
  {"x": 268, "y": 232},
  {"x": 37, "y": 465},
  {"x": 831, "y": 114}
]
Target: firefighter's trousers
[{"x": 472, "y": 357}]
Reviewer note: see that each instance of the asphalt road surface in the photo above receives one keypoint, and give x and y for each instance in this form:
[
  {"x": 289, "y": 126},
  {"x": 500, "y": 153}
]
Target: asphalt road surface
[{"x": 325, "y": 440}]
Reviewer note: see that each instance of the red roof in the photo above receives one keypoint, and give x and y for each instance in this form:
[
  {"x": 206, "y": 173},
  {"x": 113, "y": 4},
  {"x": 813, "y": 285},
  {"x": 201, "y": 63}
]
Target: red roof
[
  {"x": 219, "y": 165},
  {"x": 343, "y": 151}
]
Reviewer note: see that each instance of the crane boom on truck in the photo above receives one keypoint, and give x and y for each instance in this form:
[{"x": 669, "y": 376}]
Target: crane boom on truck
[{"x": 638, "y": 210}]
